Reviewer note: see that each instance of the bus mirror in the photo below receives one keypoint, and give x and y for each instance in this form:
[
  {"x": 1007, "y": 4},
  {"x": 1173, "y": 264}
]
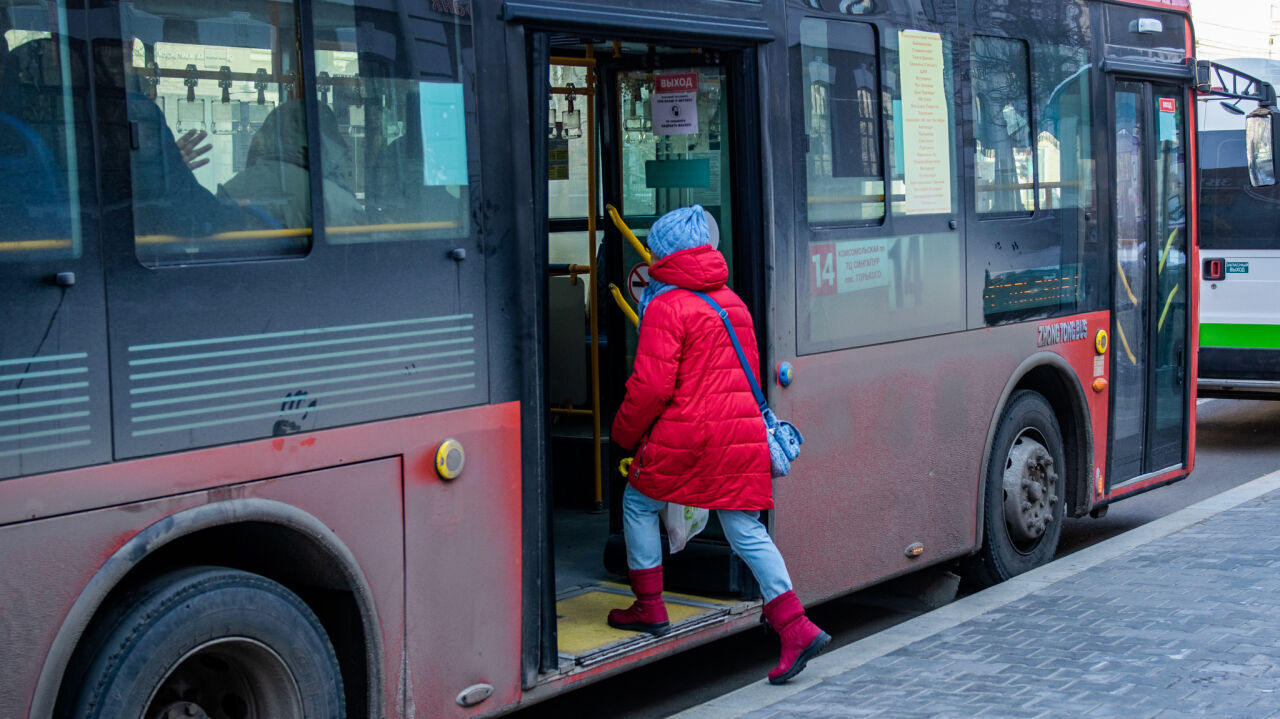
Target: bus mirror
[{"x": 1262, "y": 137}]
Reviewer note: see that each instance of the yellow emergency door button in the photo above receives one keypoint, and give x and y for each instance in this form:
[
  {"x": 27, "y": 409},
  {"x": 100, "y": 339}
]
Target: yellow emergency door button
[{"x": 450, "y": 459}]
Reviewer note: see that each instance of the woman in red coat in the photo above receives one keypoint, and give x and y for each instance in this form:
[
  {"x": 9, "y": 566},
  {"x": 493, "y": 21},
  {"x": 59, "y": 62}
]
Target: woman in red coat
[{"x": 698, "y": 436}]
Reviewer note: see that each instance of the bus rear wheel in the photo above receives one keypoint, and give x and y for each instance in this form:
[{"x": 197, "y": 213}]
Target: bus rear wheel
[
  {"x": 211, "y": 642},
  {"x": 1022, "y": 506}
]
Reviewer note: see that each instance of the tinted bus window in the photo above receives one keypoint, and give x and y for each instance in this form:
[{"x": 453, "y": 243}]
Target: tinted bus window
[
  {"x": 1003, "y": 162},
  {"x": 1234, "y": 215},
  {"x": 903, "y": 283},
  {"x": 399, "y": 165},
  {"x": 1063, "y": 143},
  {"x": 842, "y": 121},
  {"x": 220, "y": 168},
  {"x": 1045, "y": 268},
  {"x": 42, "y": 81},
  {"x": 1166, "y": 40}
]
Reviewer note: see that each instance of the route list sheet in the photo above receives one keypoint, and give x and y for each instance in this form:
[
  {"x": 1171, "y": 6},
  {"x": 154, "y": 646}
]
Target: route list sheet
[{"x": 926, "y": 123}]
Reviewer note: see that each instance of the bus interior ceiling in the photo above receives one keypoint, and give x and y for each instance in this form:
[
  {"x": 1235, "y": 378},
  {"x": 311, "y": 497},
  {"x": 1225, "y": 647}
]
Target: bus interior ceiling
[{"x": 600, "y": 92}]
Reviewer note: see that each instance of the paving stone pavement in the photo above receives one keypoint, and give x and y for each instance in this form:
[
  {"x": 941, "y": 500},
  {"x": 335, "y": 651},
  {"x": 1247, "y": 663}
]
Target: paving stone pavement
[{"x": 1184, "y": 625}]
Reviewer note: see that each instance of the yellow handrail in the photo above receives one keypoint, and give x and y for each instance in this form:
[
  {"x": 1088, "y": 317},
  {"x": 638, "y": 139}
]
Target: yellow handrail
[
  {"x": 162, "y": 239},
  {"x": 1168, "y": 245},
  {"x": 219, "y": 236},
  {"x": 1125, "y": 342},
  {"x": 1125, "y": 281},
  {"x": 628, "y": 234},
  {"x": 33, "y": 245},
  {"x": 299, "y": 232},
  {"x": 623, "y": 305},
  {"x": 1167, "y": 304}
]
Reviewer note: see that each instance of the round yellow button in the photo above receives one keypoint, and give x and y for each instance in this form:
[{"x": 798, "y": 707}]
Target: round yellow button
[{"x": 450, "y": 459}]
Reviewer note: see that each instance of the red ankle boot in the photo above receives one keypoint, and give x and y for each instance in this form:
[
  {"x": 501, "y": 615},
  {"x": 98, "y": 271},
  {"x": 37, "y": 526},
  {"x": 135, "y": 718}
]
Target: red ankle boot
[
  {"x": 648, "y": 613},
  {"x": 801, "y": 638}
]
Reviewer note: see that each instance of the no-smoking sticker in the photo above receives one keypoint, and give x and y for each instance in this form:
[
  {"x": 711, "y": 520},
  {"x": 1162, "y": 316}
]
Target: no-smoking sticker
[{"x": 637, "y": 280}]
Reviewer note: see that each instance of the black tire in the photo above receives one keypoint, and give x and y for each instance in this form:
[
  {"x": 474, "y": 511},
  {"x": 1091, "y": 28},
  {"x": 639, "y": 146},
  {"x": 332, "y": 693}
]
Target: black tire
[
  {"x": 1029, "y": 436},
  {"x": 210, "y": 642}
]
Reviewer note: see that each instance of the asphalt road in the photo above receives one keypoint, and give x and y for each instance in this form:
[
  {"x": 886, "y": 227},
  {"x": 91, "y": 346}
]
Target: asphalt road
[{"x": 1237, "y": 441}]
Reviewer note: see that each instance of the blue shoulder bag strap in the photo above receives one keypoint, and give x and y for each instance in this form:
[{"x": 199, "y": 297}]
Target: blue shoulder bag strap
[{"x": 742, "y": 357}]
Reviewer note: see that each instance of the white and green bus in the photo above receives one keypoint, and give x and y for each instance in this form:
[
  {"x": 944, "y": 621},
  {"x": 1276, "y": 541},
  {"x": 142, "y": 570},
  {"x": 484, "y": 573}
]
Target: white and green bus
[{"x": 1239, "y": 254}]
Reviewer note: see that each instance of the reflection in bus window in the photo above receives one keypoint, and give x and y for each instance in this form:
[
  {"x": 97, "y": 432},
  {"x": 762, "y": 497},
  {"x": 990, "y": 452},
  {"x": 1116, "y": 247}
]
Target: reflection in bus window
[
  {"x": 842, "y": 121},
  {"x": 42, "y": 83},
  {"x": 1003, "y": 162},
  {"x": 1063, "y": 142},
  {"x": 1234, "y": 215},
  {"x": 883, "y": 289},
  {"x": 908, "y": 284},
  {"x": 1171, "y": 278},
  {"x": 1050, "y": 271},
  {"x": 276, "y": 179},
  {"x": 401, "y": 109},
  {"x": 216, "y": 76}
]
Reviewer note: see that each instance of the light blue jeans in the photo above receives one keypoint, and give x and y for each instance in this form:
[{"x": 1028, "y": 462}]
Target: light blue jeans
[{"x": 746, "y": 534}]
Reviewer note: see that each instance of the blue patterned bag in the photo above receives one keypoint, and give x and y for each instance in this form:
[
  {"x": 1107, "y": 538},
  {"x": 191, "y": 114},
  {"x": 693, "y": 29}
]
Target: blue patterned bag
[
  {"x": 784, "y": 443},
  {"x": 784, "y": 438}
]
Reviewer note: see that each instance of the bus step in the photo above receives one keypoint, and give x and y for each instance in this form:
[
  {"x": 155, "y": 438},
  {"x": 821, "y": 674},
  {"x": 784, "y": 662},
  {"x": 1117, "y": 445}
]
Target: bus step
[{"x": 586, "y": 639}]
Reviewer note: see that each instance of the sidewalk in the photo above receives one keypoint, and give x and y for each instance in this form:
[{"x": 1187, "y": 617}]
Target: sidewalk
[{"x": 1177, "y": 618}]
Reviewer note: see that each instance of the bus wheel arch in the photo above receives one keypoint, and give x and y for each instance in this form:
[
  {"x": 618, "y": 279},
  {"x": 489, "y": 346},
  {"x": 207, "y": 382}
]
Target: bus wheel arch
[
  {"x": 1049, "y": 378},
  {"x": 291, "y": 548}
]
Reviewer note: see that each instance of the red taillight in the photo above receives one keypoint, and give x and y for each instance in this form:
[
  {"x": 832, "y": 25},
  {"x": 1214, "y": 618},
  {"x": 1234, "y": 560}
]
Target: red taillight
[{"x": 1215, "y": 269}]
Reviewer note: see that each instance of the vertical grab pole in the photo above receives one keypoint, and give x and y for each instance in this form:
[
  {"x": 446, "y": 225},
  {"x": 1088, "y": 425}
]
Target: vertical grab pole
[{"x": 593, "y": 302}]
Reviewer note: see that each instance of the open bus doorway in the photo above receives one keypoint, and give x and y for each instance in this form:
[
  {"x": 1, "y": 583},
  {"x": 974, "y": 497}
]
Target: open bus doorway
[{"x": 645, "y": 128}]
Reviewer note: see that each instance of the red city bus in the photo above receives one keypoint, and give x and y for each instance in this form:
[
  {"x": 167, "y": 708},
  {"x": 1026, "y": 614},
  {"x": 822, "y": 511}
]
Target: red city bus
[{"x": 309, "y": 354}]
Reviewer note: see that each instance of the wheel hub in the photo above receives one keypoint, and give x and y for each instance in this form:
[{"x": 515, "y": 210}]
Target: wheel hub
[
  {"x": 228, "y": 678},
  {"x": 183, "y": 710},
  {"x": 1029, "y": 482}
]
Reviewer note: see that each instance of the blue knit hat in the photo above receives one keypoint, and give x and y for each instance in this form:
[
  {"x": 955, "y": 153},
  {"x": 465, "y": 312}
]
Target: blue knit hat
[{"x": 682, "y": 229}]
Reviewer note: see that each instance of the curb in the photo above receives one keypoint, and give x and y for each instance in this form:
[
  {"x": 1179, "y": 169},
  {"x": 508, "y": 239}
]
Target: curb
[{"x": 762, "y": 694}]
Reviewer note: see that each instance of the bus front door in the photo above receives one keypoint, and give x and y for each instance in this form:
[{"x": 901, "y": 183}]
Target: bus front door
[{"x": 1151, "y": 320}]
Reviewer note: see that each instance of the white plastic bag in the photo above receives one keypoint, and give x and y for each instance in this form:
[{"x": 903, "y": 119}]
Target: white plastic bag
[{"x": 683, "y": 523}]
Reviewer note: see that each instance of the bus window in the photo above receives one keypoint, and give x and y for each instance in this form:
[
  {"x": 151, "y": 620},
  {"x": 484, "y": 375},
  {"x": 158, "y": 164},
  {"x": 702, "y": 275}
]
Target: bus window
[
  {"x": 1003, "y": 162},
  {"x": 567, "y": 154},
  {"x": 908, "y": 282},
  {"x": 1163, "y": 41},
  {"x": 1044, "y": 268},
  {"x": 839, "y": 68},
  {"x": 402, "y": 112},
  {"x": 1063, "y": 143},
  {"x": 219, "y": 169},
  {"x": 42, "y": 78}
]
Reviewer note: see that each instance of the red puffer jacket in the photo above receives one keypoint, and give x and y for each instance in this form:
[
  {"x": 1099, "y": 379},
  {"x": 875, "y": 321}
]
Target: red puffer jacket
[{"x": 689, "y": 408}]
